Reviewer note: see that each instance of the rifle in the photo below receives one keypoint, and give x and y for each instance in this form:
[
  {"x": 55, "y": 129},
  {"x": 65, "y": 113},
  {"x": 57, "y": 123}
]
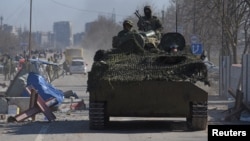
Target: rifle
[{"x": 138, "y": 15}]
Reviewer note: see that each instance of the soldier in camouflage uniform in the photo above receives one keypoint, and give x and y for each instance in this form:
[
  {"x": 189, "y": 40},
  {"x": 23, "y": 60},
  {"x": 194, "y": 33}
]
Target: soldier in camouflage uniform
[
  {"x": 124, "y": 34},
  {"x": 127, "y": 28},
  {"x": 149, "y": 22},
  {"x": 7, "y": 68}
]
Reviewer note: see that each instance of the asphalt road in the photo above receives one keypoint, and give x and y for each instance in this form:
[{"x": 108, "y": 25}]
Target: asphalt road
[{"x": 73, "y": 125}]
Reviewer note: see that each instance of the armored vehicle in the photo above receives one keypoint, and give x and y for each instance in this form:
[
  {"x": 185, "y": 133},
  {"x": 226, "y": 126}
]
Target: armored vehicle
[{"x": 131, "y": 81}]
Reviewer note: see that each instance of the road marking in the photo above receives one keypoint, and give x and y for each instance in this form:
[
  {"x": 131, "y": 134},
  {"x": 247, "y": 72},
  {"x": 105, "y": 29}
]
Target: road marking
[{"x": 43, "y": 130}]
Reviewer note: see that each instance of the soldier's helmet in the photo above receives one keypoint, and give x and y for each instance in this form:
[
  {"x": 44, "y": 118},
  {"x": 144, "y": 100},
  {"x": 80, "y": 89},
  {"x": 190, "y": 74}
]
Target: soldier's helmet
[
  {"x": 128, "y": 22},
  {"x": 147, "y": 8}
]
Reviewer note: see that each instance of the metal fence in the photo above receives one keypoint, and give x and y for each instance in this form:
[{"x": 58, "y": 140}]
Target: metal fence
[{"x": 235, "y": 76}]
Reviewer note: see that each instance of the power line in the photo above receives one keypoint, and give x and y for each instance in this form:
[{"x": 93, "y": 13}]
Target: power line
[{"x": 21, "y": 7}]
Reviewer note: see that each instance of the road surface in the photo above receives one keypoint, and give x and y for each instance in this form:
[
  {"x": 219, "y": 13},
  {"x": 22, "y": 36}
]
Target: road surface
[{"x": 73, "y": 125}]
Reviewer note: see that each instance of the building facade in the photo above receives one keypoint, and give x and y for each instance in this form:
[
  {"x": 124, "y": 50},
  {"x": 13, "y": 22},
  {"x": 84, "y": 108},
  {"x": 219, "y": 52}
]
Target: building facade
[{"x": 63, "y": 36}]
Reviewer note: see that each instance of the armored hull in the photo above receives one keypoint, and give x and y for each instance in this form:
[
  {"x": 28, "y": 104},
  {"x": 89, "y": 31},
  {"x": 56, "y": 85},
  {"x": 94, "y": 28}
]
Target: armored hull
[{"x": 148, "y": 84}]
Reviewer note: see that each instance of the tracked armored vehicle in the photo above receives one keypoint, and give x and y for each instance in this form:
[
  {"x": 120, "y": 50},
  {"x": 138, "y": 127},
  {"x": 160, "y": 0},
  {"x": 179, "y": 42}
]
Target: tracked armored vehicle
[{"x": 131, "y": 81}]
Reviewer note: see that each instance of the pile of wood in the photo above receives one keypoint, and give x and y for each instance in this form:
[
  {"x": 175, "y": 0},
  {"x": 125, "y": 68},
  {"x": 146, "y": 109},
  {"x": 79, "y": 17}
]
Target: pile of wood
[{"x": 239, "y": 106}]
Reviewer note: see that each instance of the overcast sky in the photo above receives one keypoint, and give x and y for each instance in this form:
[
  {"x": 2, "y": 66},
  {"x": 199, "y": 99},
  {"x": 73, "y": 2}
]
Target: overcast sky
[{"x": 79, "y": 12}]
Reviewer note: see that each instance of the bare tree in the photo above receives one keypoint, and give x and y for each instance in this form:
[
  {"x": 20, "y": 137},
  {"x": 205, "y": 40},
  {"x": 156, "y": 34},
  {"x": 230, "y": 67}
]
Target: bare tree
[
  {"x": 233, "y": 13},
  {"x": 206, "y": 27},
  {"x": 186, "y": 15},
  {"x": 8, "y": 42},
  {"x": 248, "y": 2},
  {"x": 213, "y": 21},
  {"x": 246, "y": 28},
  {"x": 24, "y": 38}
]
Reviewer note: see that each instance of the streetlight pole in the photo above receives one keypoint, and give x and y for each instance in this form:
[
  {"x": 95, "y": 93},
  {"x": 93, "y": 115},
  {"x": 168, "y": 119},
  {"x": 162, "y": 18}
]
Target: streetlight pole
[{"x": 30, "y": 29}]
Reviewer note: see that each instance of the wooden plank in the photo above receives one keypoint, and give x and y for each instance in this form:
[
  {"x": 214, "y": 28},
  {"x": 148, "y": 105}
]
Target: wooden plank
[
  {"x": 238, "y": 107},
  {"x": 43, "y": 106},
  {"x": 37, "y": 105},
  {"x": 33, "y": 99},
  {"x": 239, "y": 99},
  {"x": 45, "y": 109},
  {"x": 232, "y": 115},
  {"x": 232, "y": 93},
  {"x": 35, "y": 110},
  {"x": 26, "y": 114}
]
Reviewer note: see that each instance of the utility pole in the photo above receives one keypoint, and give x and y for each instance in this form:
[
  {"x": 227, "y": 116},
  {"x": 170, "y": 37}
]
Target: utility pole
[
  {"x": 113, "y": 16},
  {"x": 1, "y": 19},
  {"x": 30, "y": 29}
]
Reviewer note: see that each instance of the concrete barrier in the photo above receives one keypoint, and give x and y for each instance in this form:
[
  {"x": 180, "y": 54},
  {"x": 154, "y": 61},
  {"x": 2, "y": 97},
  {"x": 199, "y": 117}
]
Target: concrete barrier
[
  {"x": 21, "y": 102},
  {"x": 3, "y": 105}
]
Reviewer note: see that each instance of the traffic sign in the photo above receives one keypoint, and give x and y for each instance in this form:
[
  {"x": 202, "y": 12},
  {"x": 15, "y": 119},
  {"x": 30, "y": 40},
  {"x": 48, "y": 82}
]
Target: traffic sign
[
  {"x": 197, "y": 49},
  {"x": 194, "y": 39}
]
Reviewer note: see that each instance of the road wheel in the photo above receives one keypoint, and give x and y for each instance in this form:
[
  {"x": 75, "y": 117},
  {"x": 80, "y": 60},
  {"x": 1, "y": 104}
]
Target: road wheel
[
  {"x": 98, "y": 117},
  {"x": 197, "y": 120}
]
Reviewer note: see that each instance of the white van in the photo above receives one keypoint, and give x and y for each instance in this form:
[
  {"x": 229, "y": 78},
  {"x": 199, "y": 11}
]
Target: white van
[{"x": 78, "y": 66}]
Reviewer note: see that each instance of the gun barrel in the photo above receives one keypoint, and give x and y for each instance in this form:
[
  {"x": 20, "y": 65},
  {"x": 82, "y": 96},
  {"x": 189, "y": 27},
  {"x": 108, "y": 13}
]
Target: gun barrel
[
  {"x": 140, "y": 18},
  {"x": 137, "y": 14}
]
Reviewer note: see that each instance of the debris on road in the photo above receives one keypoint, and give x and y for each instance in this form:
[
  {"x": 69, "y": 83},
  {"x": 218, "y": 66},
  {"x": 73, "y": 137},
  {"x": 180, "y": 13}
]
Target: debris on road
[
  {"x": 239, "y": 106},
  {"x": 37, "y": 105}
]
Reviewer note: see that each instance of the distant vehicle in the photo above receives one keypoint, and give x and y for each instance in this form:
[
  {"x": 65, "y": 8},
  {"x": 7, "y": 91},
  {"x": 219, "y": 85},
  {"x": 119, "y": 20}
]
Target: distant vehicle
[
  {"x": 78, "y": 66},
  {"x": 73, "y": 53}
]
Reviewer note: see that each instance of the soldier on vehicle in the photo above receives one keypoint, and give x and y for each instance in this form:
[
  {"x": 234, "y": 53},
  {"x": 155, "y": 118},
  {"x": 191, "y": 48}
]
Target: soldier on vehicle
[
  {"x": 127, "y": 28},
  {"x": 149, "y": 22}
]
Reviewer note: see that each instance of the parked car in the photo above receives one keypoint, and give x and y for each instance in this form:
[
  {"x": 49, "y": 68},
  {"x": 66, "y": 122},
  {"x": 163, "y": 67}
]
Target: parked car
[{"x": 78, "y": 66}]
